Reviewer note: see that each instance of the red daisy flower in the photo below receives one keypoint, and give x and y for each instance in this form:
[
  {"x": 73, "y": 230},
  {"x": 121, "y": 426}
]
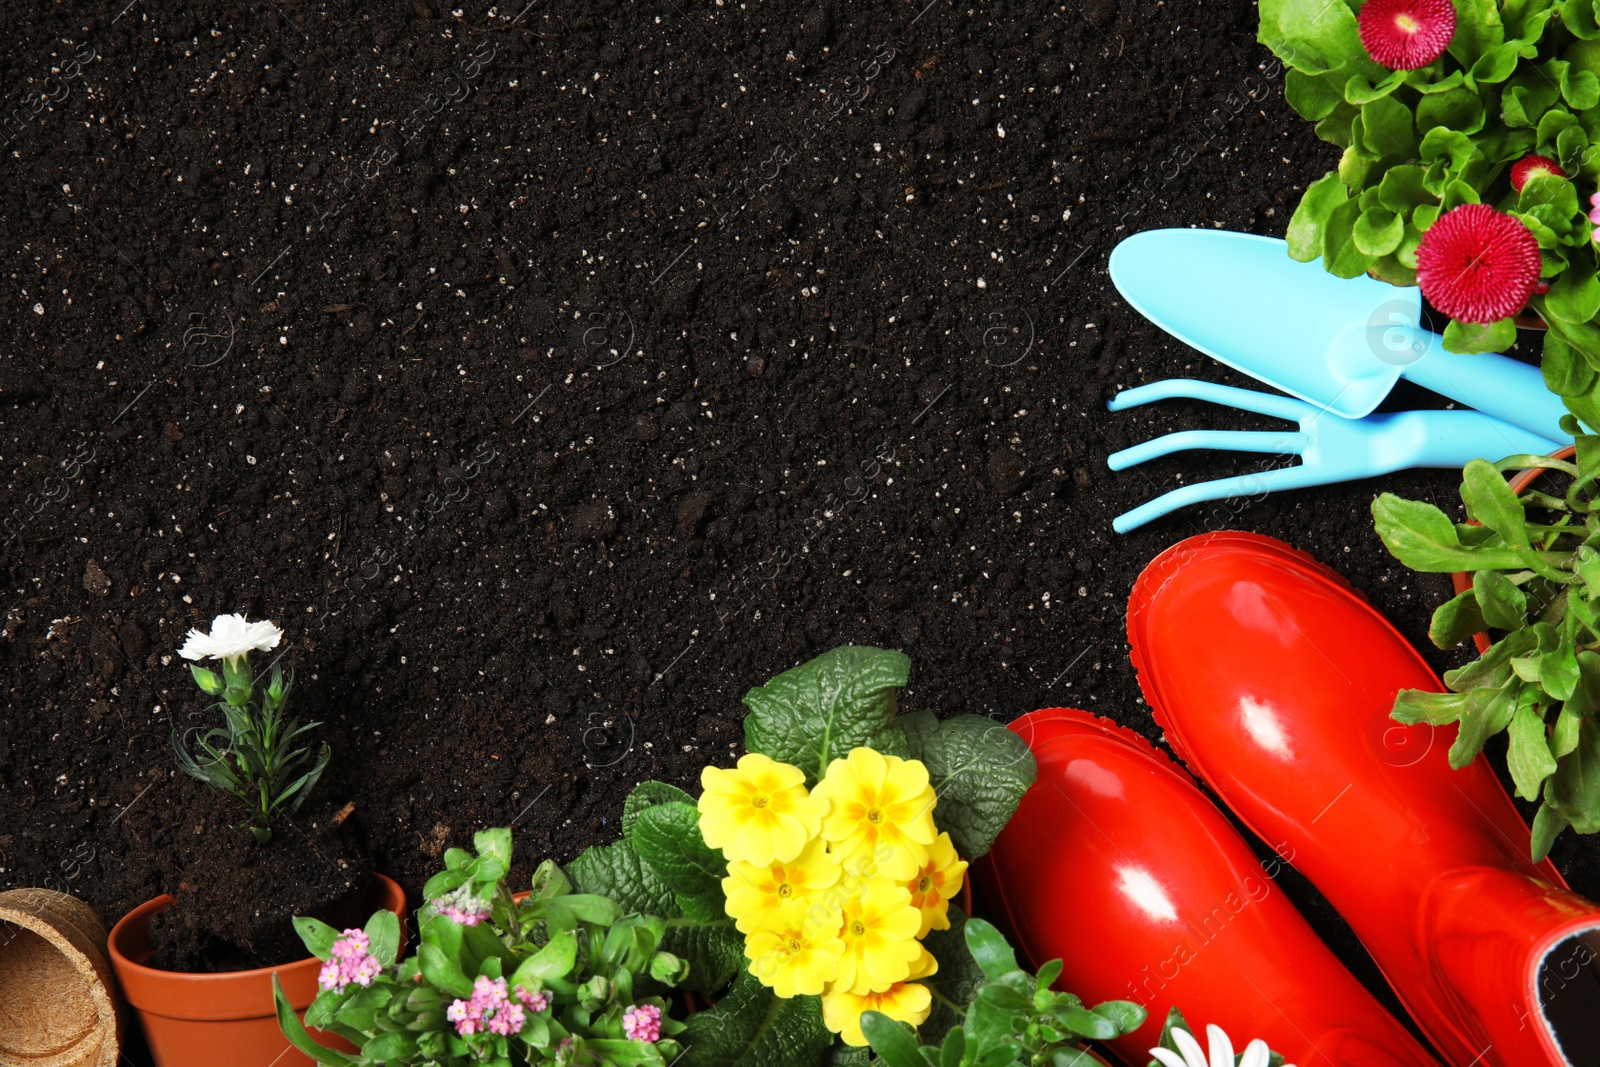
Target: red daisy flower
[
  {"x": 1528, "y": 166},
  {"x": 1477, "y": 265},
  {"x": 1406, "y": 34}
]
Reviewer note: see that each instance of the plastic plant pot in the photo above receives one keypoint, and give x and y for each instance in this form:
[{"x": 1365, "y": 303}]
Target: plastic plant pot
[
  {"x": 199, "y": 1020},
  {"x": 1462, "y": 580},
  {"x": 57, "y": 1008}
]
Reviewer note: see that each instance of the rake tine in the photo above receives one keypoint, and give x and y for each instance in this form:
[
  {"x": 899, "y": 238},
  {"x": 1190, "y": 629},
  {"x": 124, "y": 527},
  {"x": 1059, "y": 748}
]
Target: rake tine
[
  {"x": 1268, "y": 481},
  {"x": 1286, "y": 443},
  {"x": 1278, "y": 407}
]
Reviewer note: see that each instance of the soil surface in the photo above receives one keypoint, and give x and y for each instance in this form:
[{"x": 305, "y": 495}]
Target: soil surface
[{"x": 554, "y": 374}]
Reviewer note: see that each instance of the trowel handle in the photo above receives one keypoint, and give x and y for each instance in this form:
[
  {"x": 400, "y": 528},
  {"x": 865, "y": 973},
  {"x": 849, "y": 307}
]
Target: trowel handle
[{"x": 1493, "y": 384}]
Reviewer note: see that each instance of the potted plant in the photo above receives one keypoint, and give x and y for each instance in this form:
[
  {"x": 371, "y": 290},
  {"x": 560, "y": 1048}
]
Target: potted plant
[
  {"x": 545, "y": 976},
  {"x": 194, "y": 1016},
  {"x": 1467, "y": 131},
  {"x": 1534, "y": 572},
  {"x": 795, "y": 907}
]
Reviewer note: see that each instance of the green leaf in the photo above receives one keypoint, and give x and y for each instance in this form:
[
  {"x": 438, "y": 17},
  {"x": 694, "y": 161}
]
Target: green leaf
[
  {"x": 1423, "y": 538},
  {"x": 1388, "y": 128},
  {"x": 1358, "y": 90},
  {"x": 1314, "y": 96},
  {"x": 617, "y": 871},
  {"x": 395, "y": 1045},
  {"x": 1566, "y": 373},
  {"x": 292, "y": 1029},
  {"x": 991, "y": 950},
  {"x": 1401, "y": 189},
  {"x": 1554, "y": 191},
  {"x": 1564, "y": 738},
  {"x": 1314, "y": 37},
  {"x": 1478, "y": 30},
  {"x": 1412, "y": 706},
  {"x": 1490, "y": 500},
  {"x": 1458, "y": 109},
  {"x": 751, "y": 1025},
  {"x": 555, "y": 960},
  {"x": 383, "y": 937},
  {"x": 1125, "y": 1015},
  {"x": 1496, "y": 65},
  {"x": 1503, "y": 605},
  {"x": 1528, "y": 756},
  {"x": 442, "y": 971},
  {"x": 649, "y": 794},
  {"x": 893, "y": 1042},
  {"x": 317, "y": 935},
  {"x": 1575, "y": 296},
  {"x": 1340, "y": 256},
  {"x": 1574, "y": 790},
  {"x": 1547, "y": 826},
  {"x": 494, "y": 845},
  {"x": 712, "y": 947},
  {"x": 1440, "y": 144},
  {"x": 1378, "y": 231},
  {"x": 817, "y": 712},
  {"x": 1310, "y": 218},
  {"x": 667, "y": 837},
  {"x": 979, "y": 771},
  {"x": 1485, "y": 713},
  {"x": 1472, "y": 338},
  {"x": 1456, "y": 620}
]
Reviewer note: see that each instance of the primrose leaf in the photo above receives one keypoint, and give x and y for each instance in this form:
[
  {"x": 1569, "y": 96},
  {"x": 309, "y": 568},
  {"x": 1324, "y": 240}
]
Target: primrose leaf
[
  {"x": 648, "y": 794},
  {"x": 817, "y": 712},
  {"x": 616, "y": 871},
  {"x": 752, "y": 1025},
  {"x": 711, "y": 946},
  {"x": 979, "y": 771},
  {"x": 667, "y": 837}
]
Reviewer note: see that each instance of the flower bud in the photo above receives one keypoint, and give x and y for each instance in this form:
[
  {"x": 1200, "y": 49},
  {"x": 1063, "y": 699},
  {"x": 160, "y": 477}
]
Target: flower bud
[
  {"x": 206, "y": 680},
  {"x": 668, "y": 969}
]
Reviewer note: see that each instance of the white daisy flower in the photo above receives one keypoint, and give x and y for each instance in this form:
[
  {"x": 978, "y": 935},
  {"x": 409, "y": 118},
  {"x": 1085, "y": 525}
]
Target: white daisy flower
[
  {"x": 1256, "y": 1054},
  {"x": 231, "y": 637}
]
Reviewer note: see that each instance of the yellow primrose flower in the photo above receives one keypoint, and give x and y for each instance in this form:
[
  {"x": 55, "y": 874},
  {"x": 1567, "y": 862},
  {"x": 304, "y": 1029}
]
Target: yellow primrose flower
[
  {"x": 759, "y": 813},
  {"x": 936, "y": 884},
  {"x": 879, "y": 806},
  {"x": 794, "y": 953},
  {"x": 755, "y": 891},
  {"x": 879, "y": 932},
  {"x": 906, "y": 1001}
]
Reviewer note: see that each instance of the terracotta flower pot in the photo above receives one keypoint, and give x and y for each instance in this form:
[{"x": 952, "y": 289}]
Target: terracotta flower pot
[
  {"x": 199, "y": 1020},
  {"x": 1462, "y": 580},
  {"x": 57, "y": 1008}
]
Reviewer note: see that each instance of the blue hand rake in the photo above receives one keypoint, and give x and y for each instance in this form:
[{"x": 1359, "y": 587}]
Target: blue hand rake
[{"x": 1331, "y": 448}]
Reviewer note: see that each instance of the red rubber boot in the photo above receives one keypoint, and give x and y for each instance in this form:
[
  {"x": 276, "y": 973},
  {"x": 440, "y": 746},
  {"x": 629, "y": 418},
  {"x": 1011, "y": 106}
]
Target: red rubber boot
[
  {"x": 1117, "y": 863},
  {"x": 1274, "y": 681}
]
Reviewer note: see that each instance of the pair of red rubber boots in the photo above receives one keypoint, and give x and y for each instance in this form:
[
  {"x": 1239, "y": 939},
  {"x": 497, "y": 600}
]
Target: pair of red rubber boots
[{"x": 1274, "y": 681}]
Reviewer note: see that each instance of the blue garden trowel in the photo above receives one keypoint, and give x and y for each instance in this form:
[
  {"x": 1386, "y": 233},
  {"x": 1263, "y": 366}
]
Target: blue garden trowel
[{"x": 1337, "y": 343}]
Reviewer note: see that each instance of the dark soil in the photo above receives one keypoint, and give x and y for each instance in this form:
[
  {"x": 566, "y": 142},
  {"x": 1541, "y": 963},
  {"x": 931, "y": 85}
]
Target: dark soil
[
  {"x": 555, "y": 374},
  {"x": 311, "y": 866}
]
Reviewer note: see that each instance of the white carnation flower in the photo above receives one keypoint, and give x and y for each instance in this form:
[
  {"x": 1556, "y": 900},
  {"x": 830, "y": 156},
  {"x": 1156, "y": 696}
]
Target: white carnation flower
[
  {"x": 1256, "y": 1054},
  {"x": 231, "y": 637}
]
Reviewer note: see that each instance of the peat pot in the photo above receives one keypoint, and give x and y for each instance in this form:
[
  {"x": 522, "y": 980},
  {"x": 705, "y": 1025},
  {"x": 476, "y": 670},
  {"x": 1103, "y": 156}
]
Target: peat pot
[{"x": 57, "y": 1007}]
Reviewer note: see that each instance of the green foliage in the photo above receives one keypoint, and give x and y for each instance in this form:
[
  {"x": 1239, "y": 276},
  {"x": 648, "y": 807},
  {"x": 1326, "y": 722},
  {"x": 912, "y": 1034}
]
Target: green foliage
[
  {"x": 663, "y": 866},
  {"x": 817, "y": 712},
  {"x": 978, "y": 768},
  {"x": 253, "y": 755},
  {"x": 1535, "y": 566},
  {"x": 1010, "y": 1017},
  {"x": 581, "y": 951},
  {"x": 1518, "y": 78}
]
